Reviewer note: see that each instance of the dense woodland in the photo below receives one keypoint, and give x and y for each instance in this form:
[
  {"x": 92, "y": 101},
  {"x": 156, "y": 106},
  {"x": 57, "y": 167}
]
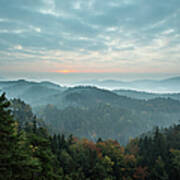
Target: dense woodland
[
  {"x": 90, "y": 112},
  {"x": 28, "y": 151}
]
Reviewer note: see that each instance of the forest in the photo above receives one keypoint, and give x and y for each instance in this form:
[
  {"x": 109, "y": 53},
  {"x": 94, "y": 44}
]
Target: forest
[
  {"x": 30, "y": 151},
  {"x": 91, "y": 112}
]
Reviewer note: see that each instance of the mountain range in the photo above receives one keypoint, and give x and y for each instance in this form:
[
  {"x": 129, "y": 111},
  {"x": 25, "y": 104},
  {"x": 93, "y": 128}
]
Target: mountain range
[
  {"x": 92, "y": 112},
  {"x": 30, "y": 92},
  {"x": 42, "y": 93},
  {"x": 161, "y": 86}
]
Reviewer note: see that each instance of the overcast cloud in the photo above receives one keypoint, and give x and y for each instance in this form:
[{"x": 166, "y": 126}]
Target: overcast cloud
[{"x": 90, "y": 36}]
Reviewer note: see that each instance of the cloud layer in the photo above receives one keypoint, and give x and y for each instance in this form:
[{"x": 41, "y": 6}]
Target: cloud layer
[{"x": 90, "y": 36}]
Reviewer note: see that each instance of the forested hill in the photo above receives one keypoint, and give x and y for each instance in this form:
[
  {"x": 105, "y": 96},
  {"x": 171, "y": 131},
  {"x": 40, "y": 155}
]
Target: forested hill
[
  {"x": 146, "y": 95},
  {"x": 29, "y": 91},
  {"x": 28, "y": 151},
  {"x": 84, "y": 96},
  {"x": 43, "y": 93},
  {"x": 91, "y": 112}
]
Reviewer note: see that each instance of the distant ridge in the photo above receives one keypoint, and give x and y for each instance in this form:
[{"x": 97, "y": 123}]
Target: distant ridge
[
  {"x": 164, "y": 86},
  {"x": 23, "y": 81},
  {"x": 30, "y": 91},
  {"x": 45, "y": 92},
  {"x": 177, "y": 78}
]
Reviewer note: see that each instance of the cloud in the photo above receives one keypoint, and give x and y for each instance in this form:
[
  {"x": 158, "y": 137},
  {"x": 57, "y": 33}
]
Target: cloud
[
  {"x": 18, "y": 47},
  {"x": 106, "y": 34}
]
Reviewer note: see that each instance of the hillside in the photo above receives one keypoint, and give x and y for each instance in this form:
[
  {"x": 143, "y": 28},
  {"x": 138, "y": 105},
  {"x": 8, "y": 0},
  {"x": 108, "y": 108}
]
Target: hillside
[
  {"x": 91, "y": 112},
  {"x": 33, "y": 153},
  {"x": 30, "y": 92},
  {"x": 166, "y": 85},
  {"x": 146, "y": 95}
]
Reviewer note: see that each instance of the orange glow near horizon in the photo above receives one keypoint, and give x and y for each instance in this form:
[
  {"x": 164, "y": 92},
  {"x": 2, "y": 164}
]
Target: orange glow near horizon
[
  {"x": 66, "y": 71},
  {"x": 95, "y": 70}
]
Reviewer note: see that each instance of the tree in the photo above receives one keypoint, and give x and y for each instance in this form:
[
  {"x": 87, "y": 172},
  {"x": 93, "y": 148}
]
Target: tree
[
  {"x": 22, "y": 113},
  {"x": 159, "y": 171},
  {"x": 39, "y": 141},
  {"x": 8, "y": 139},
  {"x": 175, "y": 163},
  {"x": 15, "y": 161}
]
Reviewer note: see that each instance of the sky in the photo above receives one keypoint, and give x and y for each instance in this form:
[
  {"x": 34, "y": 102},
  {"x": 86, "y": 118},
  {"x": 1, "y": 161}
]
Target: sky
[{"x": 76, "y": 39}]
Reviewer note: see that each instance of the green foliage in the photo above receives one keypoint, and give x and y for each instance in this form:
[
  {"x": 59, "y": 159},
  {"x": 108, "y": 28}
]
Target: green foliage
[
  {"x": 24, "y": 154},
  {"x": 30, "y": 152},
  {"x": 159, "y": 171},
  {"x": 15, "y": 161},
  {"x": 160, "y": 153},
  {"x": 8, "y": 138},
  {"x": 175, "y": 161}
]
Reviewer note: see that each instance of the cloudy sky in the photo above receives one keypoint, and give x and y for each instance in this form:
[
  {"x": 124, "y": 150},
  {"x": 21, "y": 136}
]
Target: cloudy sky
[{"x": 89, "y": 37}]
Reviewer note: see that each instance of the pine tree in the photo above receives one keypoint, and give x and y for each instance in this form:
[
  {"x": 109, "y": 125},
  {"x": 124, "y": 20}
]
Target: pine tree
[
  {"x": 16, "y": 161},
  {"x": 14, "y": 158},
  {"x": 8, "y": 139},
  {"x": 40, "y": 144}
]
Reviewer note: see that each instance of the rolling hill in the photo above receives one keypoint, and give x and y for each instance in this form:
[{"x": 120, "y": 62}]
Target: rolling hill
[
  {"x": 91, "y": 112},
  {"x": 30, "y": 92},
  {"x": 160, "y": 86}
]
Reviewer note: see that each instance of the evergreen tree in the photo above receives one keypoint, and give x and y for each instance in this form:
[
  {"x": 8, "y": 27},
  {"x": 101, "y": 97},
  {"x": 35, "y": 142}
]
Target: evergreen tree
[
  {"x": 8, "y": 138},
  {"x": 159, "y": 172},
  {"x": 39, "y": 142},
  {"x": 15, "y": 161}
]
